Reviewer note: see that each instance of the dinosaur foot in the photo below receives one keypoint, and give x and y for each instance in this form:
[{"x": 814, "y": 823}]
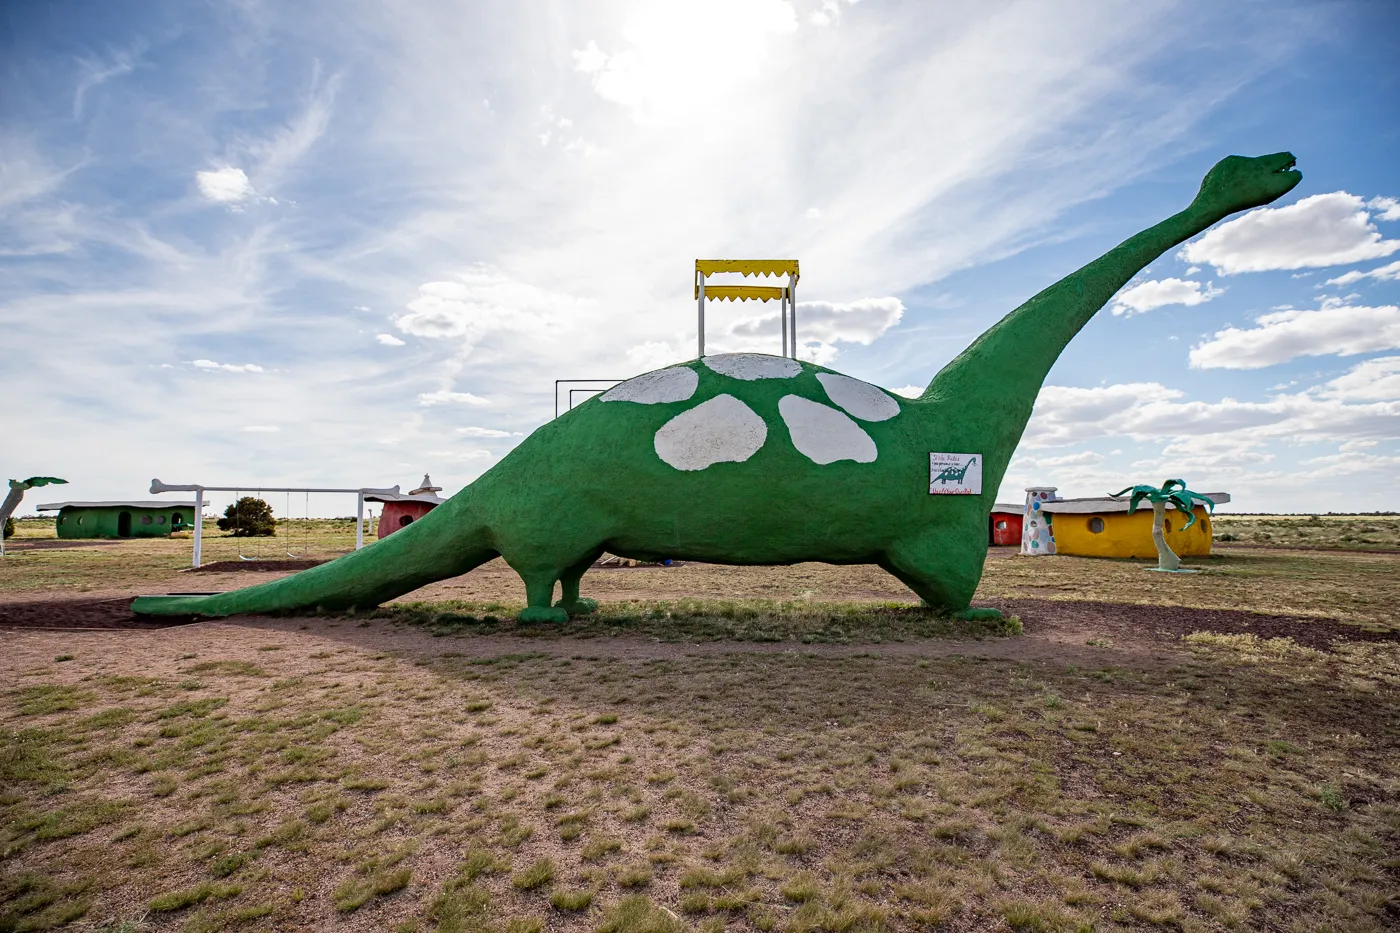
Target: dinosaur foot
[
  {"x": 543, "y": 614},
  {"x": 978, "y": 615},
  {"x": 579, "y": 607}
]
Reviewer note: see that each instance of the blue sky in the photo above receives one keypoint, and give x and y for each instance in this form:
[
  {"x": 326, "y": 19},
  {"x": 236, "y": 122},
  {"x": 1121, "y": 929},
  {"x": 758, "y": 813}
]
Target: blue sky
[{"x": 345, "y": 244}]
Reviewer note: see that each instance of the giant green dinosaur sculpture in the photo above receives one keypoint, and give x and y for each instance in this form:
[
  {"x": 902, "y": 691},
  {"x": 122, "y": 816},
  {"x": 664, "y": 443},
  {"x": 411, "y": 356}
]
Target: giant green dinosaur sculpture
[{"x": 751, "y": 459}]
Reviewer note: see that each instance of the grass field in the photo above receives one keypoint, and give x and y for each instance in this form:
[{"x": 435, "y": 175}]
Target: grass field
[
  {"x": 1358, "y": 532},
  {"x": 771, "y": 749}
]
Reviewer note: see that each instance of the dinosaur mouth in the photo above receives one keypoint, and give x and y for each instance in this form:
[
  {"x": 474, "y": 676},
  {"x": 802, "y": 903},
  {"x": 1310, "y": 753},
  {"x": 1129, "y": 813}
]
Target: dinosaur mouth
[{"x": 1286, "y": 167}]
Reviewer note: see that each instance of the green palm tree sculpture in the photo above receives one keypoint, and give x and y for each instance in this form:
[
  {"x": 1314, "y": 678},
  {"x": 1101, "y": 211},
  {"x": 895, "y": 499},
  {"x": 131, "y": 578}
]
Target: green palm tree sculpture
[{"x": 1183, "y": 499}]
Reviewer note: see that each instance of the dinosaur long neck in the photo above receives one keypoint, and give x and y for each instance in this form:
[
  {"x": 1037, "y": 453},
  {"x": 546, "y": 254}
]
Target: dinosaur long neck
[{"x": 995, "y": 381}]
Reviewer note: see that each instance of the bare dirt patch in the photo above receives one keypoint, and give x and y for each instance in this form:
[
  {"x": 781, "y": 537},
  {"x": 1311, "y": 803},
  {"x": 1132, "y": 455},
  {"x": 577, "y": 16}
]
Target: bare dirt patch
[
  {"x": 78, "y": 614},
  {"x": 255, "y": 566}
]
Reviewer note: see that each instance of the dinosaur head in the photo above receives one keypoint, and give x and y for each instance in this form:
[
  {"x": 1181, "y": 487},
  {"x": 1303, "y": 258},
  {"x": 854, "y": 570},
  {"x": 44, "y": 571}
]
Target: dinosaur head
[{"x": 1238, "y": 183}]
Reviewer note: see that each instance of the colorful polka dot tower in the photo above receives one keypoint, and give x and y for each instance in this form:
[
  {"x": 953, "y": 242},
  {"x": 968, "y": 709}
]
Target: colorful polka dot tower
[{"x": 1037, "y": 533}]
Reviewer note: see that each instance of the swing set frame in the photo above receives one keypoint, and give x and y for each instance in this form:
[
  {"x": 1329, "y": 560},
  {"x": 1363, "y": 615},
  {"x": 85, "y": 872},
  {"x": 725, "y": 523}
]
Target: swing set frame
[{"x": 199, "y": 490}]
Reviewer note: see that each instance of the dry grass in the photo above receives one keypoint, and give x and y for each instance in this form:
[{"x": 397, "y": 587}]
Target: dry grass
[
  {"x": 1253, "y": 784},
  {"x": 1358, "y": 532},
  {"x": 1351, "y": 587},
  {"x": 99, "y": 566}
]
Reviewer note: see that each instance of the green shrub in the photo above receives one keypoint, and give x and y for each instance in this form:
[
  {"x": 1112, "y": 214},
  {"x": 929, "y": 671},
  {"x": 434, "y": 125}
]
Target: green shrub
[{"x": 248, "y": 517}]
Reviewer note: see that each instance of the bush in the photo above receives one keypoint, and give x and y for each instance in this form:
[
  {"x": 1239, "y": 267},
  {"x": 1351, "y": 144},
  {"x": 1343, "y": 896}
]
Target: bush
[
  {"x": 248, "y": 517},
  {"x": 9, "y": 531}
]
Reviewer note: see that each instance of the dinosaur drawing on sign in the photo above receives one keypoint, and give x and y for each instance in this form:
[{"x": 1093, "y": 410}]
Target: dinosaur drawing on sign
[
  {"x": 954, "y": 474},
  {"x": 752, "y": 459}
]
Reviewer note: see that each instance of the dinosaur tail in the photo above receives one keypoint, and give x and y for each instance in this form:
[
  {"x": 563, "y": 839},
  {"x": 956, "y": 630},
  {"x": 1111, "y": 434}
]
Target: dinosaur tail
[{"x": 447, "y": 542}]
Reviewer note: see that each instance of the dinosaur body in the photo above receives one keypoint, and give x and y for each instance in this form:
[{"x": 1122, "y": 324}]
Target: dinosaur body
[{"x": 752, "y": 459}]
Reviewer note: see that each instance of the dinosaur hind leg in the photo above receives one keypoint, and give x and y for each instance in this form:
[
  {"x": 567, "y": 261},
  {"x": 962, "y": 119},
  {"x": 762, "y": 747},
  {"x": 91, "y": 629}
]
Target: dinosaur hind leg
[{"x": 571, "y": 602}]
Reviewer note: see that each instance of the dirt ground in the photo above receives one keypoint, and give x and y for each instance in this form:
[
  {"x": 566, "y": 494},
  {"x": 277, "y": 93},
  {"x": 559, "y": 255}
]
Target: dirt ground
[
  {"x": 1063, "y": 630},
  {"x": 1210, "y": 752}
]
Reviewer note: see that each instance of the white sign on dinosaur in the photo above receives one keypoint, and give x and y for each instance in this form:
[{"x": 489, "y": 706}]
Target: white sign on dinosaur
[{"x": 955, "y": 474}]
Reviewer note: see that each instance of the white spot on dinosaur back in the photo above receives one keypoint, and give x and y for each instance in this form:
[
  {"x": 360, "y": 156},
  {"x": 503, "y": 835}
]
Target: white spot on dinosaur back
[
  {"x": 823, "y": 434},
  {"x": 751, "y": 366},
  {"x": 675, "y": 384},
  {"x": 722, "y": 430},
  {"x": 861, "y": 399}
]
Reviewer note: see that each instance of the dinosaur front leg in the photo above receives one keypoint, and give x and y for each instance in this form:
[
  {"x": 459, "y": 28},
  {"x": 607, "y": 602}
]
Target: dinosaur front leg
[
  {"x": 539, "y": 594},
  {"x": 571, "y": 602},
  {"x": 943, "y": 566}
]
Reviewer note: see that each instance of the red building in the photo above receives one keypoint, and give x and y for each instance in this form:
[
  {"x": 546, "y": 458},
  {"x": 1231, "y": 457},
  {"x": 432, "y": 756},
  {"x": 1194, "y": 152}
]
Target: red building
[
  {"x": 1006, "y": 524},
  {"x": 403, "y": 510}
]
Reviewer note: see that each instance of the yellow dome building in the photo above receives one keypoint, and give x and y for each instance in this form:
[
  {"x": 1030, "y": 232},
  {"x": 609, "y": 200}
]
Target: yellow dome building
[{"x": 1102, "y": 527}]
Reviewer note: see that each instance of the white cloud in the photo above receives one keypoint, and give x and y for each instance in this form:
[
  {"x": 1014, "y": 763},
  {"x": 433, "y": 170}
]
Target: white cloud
[
  {"x": 388, "y": 340},
  {"x": 1284, "y": 335},
  {"x": 1151, "y": 411},
  {"x": 814, "y": 351},
  {"x": 1355, "y": 462},
  {"x": 829, "y": 14},
  {"x": 680, "y": 55},
  {"x": 1149, "y": 295},
  {"x": 475, "y": 454},
  {"x": 486, "y": 432},
  {"x": 909, "y": 391},
  {"x": 278, "y": 154},
  {"x": 1064, "y": 415},
  {"x": 1386, "y": 273},
  {"x": 482, "y": 303},
  {"x": 653, "y": 354},
  {"x": 1322, "y": 230},
  {"x": 262, "y": 429},
  {"x": 226, "y": 185},
  {"x": 97, "y": 72},
  {"x": 211, "y": 366},
  {"x": 1083, "y": 458},
  {"x": 829, "y": 322},
  {"x": 1374, "y": 380},
  {"x": 443, "y": 396},
  {"x": 1386, "y": 208}
]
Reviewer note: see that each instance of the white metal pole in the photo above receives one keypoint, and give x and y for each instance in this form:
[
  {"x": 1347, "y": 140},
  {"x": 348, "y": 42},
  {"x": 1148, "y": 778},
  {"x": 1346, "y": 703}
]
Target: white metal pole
[
  {"x": 359, "y": 520},
  {"x": 701, "y": 310},
  {"x": 782, "y": 311},
  {"x": 792, "y": 309},
  {"x": 198, "y": 526}
]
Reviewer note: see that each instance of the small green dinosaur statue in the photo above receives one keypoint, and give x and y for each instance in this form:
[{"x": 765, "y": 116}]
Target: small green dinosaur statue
[{"x": 752, "y": 459}]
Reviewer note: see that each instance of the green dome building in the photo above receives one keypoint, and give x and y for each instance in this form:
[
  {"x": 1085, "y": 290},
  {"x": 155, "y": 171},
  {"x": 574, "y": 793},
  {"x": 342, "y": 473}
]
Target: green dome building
[{"x": 121, "y": 519}]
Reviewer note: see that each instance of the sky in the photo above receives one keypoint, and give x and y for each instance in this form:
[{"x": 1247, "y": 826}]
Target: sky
[{"x": 344, "y": 244}]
